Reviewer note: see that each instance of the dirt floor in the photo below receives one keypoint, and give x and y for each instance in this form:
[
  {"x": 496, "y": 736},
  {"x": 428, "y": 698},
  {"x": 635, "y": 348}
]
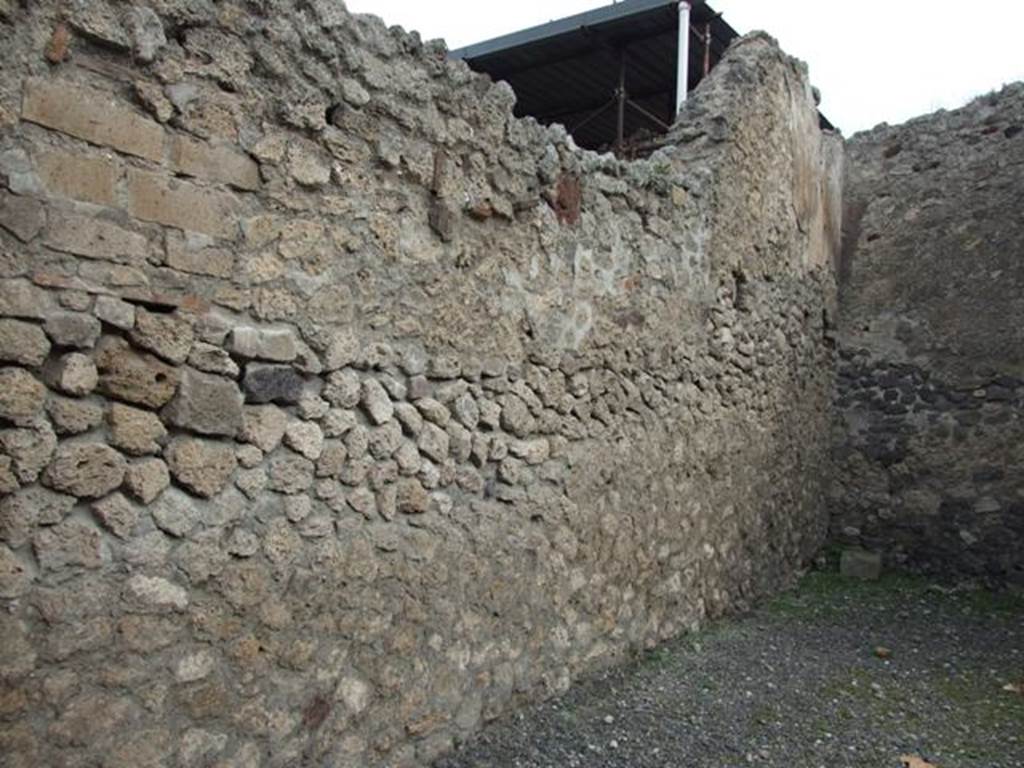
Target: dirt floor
[{"x": 833, "y": 674}]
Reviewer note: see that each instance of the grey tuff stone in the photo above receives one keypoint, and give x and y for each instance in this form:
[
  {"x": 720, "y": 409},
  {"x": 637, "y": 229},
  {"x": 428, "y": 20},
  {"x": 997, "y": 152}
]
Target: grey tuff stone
[
  {"x": 206, "y": 404},
  {"x": 272, "y": 383},
  {"x": 72, "y": 329}
]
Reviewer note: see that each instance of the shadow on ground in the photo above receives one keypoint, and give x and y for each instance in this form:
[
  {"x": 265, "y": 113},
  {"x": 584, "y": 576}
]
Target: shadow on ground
[{"x": 833, "y": 674}]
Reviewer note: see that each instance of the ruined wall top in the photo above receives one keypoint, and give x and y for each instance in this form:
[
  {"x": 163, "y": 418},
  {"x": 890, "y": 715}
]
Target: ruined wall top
[{"x": 931, "y": 270}]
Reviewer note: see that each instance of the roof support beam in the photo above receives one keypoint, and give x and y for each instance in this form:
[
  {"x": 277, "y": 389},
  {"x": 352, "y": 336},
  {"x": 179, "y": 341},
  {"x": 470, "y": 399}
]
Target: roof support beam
[
  {"x": 569, "y": 111},
  {"x": 620, "y": 96},
  {"x": 683, "y": 56}
]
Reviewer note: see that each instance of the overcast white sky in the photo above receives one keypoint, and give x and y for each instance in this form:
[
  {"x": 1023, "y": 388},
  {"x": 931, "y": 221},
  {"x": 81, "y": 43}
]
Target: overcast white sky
[{"x": 873, "y": 61}]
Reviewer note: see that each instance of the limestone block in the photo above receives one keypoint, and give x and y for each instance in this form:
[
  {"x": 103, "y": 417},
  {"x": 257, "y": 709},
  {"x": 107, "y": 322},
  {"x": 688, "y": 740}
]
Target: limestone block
[
  {"x": 357, "y": 441},
  {"x": 162, "y": 199},
  {"x": 481, "y": 449},
  {"x": 307, "y": 168},
  {"x": 212, "y": 359},
  {"x": 429, "y": 474},
  {"x": 206, "y": 404},
  {"x": 134, "y": 431},
  {"x": 117, "y": 515},
  {"x": 434, "y": 442},
  {"x": 515, "y": 416},
  {"x": 467, "y": 411},
  {"x": 450, "y": 391},
  {"x": 313, "y": 407},
  {"x": 376, "y": 402},
  {"x": 470, "y": 480},
  {"x": 306, "y": 438},
  {"x": 444, "y": 366},
  {"x": 354, "y": 93},
  {"x": 243, "y": 543},
  {"x": 434, "y": 411},
  {"x": 249, "y": 456},
  {"x": 343, "y": 389},
  {"x": 297, "y": 508},
  {"x": 20, "y": 512},
  {"x": 272, "y": 344},
  {"x": 147, "y": 479},
  {"x": 21, "y": 396},
  {"x": 79, "y": 177},
  {"x": 332, "y": 459},
  {"x": 252, "y": 482},
  {"x": 71, "y": 543},
  {"x": 147, "y": 551},
  {"x": 193, "y": 253},
  {"x": 20, "y": 298},
  {"x": 132, "y": 376},
  {"x": 355, "y": 472},
  {"x": 499, "y": 449},
  {"x": 338, "y": 422},
  {"x": 202, "y": 558},
  {"x": 94, "y": 238},
  {"x": 115, "y": 312},
  {"x": 383, "y": 473},
  {"x": 412, "y": 498},
  {"x": 169, "y": 336},
  {"x": 29, "y": 451},
  {"x": 533, "y": 452},
  {"x": 73, "y": 417},
  {"x": 72, "y": 329},
  {"x": 215, "y": 162},
  {"x": 363, "y": 501},
  {"x": 512, "y": 471},
  {"x": 23, "y": 217},
  {"x": 317, "y": 526},
  {"x": 91, "y": 115},
  {"x": 146, "y": 32},
  {"x": 384, "y": 441},
  {"x": 203, "y": 467},
  {"x": 290, "y": 473},
  {"x": 22, "y": 343},
  {"x": 175, "y": 513},
  {"x": 155, "y": 594},
  {"x": 408, "y": 458},
  {"x": 264, "y": 426},
  {"x": 410, "y": 419},
  {"x": 73, "y": 374},
  {"x": 280, "y": 542},
  {"x": 419, "y": 387},
  {"x": 195, "y": 666},
  {"x": 460, "y": 441},
  {"x": 85, "y": 470}
]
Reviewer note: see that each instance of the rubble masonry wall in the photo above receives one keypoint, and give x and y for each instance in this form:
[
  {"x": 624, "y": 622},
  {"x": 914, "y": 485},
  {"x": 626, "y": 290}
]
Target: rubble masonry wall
[
  {"x": 929, "y": 431},
  {"x": 340, "y": 410}
]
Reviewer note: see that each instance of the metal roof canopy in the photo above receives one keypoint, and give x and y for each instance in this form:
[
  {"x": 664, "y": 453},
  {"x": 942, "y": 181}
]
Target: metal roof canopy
[{"x": 569, "y": 71}]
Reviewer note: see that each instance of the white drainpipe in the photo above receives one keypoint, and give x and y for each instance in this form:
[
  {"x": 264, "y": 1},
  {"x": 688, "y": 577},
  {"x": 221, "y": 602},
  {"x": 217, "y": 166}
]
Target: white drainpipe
[{"x": 683, "y": 62}]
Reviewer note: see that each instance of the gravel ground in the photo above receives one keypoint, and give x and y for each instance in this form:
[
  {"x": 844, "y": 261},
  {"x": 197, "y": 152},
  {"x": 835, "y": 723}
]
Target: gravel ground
[{"x": 800, "y": 683}]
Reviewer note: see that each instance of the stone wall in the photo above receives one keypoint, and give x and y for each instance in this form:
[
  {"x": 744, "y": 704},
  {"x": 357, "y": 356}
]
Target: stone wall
[
  {"x": 930, "y": 437},
  {"x": 340, "y": 410}
]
